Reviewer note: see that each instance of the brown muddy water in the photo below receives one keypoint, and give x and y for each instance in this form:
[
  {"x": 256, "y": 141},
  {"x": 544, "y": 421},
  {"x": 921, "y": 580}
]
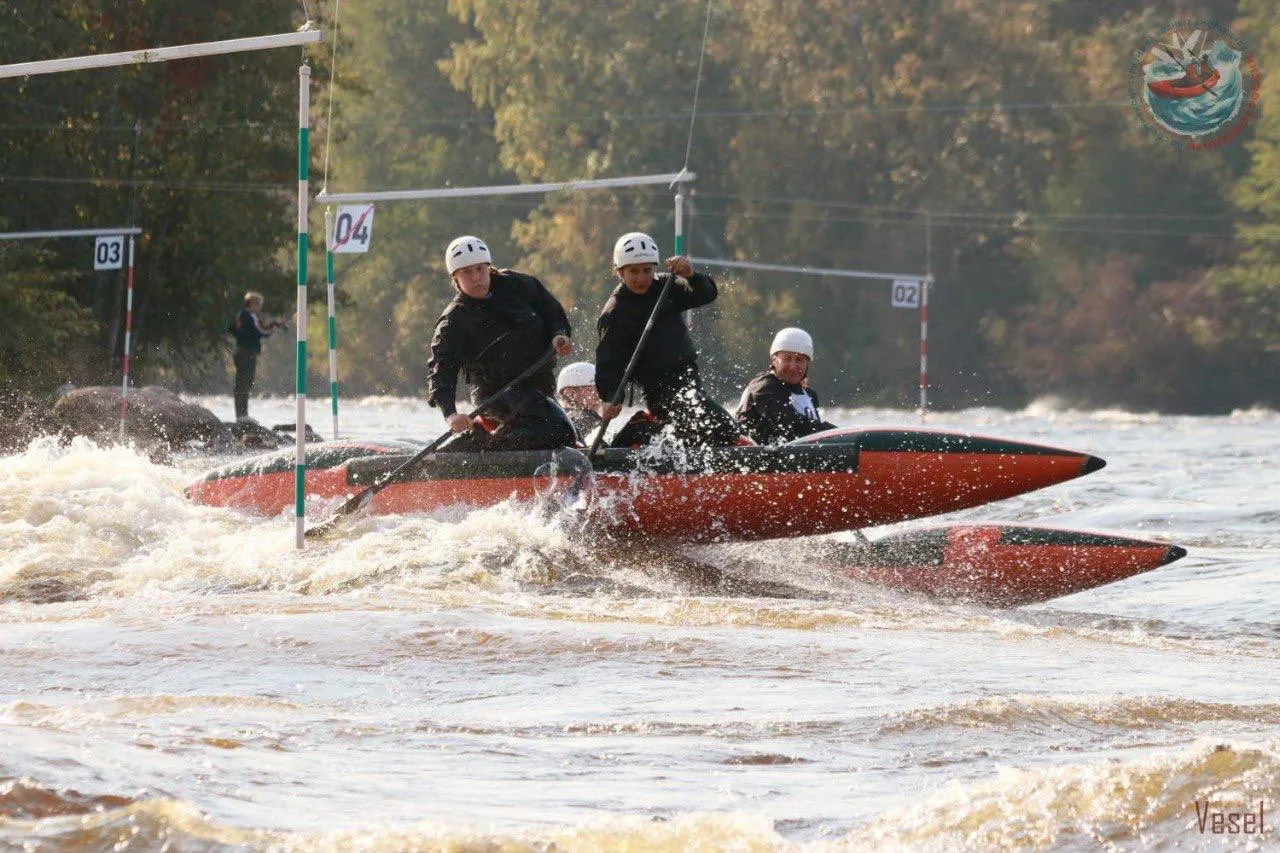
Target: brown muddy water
[{"x": 179, "y": 677}]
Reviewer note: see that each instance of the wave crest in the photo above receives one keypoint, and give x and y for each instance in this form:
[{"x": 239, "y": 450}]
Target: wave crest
[{"x": 1148, "y": 803}]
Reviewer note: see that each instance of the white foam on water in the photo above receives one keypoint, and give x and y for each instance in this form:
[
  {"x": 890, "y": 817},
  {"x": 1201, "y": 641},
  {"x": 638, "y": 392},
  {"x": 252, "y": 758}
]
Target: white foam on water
[{"x": 1147, "y": 802}]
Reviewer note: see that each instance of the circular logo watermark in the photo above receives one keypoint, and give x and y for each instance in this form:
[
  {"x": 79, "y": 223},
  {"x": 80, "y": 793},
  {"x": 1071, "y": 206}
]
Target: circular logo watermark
[{"x": 1195, "y": 85}]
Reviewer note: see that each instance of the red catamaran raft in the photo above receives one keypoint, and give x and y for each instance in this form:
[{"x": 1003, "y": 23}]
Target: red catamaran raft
[{"x": 831, "y": 481}]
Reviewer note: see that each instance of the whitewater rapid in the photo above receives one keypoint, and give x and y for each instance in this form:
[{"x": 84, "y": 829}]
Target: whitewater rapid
[{"x": 180, "y": 674}]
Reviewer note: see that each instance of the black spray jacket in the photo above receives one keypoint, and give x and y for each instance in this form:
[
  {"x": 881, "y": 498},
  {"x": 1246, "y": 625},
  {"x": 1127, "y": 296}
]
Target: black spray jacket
[
  {"x": 669, "y": 346},
  {"x": 492, "y": 340},
  {"x": 772, "y": 411}
]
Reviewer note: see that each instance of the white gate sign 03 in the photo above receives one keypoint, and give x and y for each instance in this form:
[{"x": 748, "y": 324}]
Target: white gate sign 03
[
  {"x": 905, "y": 293},
  {"x": 108, "y": 252},
  {"x": 353, "y": 229}
]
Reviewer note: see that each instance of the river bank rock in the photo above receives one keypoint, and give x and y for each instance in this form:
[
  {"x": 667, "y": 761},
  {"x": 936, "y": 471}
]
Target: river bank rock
[
  {"x": 155, "y": 418},
  {"x": 253, "y": 435},
  {"x": 157, "y": 421}
]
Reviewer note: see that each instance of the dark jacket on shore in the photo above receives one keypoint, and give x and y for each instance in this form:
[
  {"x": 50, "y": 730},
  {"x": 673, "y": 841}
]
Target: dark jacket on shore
[
  {"x": 669, "y": 346},
  {"x": 249, "y": 331},
  {"x": 493, "y": 340},
  {"x": 772, "y": 411}
]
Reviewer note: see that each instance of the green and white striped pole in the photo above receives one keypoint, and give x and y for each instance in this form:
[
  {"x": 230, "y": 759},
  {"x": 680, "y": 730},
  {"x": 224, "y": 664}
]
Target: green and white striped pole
[
  {"x": 300, "y": 433},
  {"x": 333, "y": 316},
  {"x": 680, "y": 219},
  {"x": 688, "y": 315}
]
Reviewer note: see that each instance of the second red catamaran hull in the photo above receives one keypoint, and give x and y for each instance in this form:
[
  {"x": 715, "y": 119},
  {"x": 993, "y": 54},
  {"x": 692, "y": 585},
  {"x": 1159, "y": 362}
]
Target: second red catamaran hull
[{"x": 1001, "y": 565}]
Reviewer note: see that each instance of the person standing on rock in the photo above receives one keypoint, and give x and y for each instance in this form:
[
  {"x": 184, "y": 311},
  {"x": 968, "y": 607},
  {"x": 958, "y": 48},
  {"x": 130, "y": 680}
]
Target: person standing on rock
[{"x": 249, "y": 330}]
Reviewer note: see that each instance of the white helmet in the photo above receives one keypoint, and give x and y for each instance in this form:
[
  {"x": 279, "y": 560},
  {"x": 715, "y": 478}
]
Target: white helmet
[
  {"x": 634, "y": 248},
  {"x": 465, "y": 251},
  {"x": 576, "y": 375},
  {"x": 792, "y": 339}
]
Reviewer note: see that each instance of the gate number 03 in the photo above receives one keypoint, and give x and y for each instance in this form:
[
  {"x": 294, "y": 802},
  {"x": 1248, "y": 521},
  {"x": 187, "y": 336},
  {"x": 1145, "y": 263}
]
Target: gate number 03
[{"x": 108, "y": 253}]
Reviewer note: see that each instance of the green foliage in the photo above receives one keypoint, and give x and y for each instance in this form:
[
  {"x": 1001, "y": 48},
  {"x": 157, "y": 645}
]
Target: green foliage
[
  {"x": 992, "y": 143},
  {"x": 200, "y": 153},
  {"x": 43, "y": 332},
  {"x": 579, "y": 94},
  {"x": 400, "y": 124},
  {"x": 1256, "y": 274}
]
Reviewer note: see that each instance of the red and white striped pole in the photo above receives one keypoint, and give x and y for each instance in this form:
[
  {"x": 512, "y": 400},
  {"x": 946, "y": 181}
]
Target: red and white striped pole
[
  {"x": 924, "y": 345},
  {"x": 925, "y": 284},
  {"x": 128, "y": 334}
]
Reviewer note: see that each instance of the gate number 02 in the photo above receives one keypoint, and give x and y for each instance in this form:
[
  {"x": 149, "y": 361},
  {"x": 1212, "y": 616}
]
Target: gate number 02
[{"x": 905, "y": 294}]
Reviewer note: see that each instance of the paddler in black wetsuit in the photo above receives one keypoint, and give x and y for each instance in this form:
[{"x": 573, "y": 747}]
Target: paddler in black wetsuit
[
  {"x": 778, "y": 405},
  {"x": 667, "y": 370},
  {"x": 499, "y": 323}
]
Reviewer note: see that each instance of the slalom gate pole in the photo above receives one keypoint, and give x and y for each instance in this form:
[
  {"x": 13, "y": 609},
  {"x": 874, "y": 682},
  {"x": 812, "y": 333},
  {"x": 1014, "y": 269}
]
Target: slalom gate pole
[
  {"x": 333, "y": 316},
  {"x": 924, "y": 345},
  {"x": 680, "y": 218},
  {"x": 128, "y": 333},
  {"x": 688, "y": 315},
  {"x": 300, "y": 396}
]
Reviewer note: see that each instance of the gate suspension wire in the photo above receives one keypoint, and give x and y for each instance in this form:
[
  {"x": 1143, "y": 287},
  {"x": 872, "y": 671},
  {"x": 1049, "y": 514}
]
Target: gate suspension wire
[
  {"x": 333, "y": 94},
  {"x": 697, "y": 84}
]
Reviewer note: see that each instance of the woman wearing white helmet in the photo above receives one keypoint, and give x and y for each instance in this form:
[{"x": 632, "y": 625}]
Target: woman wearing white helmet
[
  {"x": 576, "y": 394},
  {"x": 667, "y": 369},
  {"x": 778, "y": 405},
  {"x": 499, "y": 323}
]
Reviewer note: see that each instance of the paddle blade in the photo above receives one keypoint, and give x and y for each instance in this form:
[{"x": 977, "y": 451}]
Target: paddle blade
[{"x": 352, "y": 505}]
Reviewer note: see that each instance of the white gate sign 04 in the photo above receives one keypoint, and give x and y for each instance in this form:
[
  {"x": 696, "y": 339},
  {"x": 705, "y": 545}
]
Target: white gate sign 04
[
  {"x": 108, "y": 252},
  {"x": 905, "y": 293},
  {"x": 353, "y": 229}
]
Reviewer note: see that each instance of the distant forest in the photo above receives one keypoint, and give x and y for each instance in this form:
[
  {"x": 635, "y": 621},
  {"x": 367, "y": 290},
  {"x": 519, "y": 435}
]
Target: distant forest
[{"x": 1076, "y": 253}]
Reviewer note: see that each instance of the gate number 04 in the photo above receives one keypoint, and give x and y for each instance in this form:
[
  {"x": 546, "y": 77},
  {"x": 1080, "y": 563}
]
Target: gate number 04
[
  {"x": 108, "y": 253},
  {"x": 353, "y": 230}
]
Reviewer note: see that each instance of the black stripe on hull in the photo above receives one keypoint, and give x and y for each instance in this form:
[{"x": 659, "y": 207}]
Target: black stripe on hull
[{"x": 829, "y": 452}]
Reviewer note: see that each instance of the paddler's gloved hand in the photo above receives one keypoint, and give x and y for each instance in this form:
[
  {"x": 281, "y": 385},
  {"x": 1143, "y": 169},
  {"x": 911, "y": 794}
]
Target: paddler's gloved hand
[
  {"x": 562, "y": 345},
  {"x": 682, "y": 269},
  {"x": 458, "y": 422}
]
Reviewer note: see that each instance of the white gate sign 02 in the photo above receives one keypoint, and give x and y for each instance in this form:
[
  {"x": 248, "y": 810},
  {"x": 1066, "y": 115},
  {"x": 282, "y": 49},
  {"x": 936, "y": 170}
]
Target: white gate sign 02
[
  {"x": 905, "y": 293},
  {"x": 353, "y": 229},
  {"x": 108, "y": 252}
]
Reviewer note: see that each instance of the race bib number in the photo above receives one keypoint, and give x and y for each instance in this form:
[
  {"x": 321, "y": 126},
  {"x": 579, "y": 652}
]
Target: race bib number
[
  {"x": 353, "y": 229},
  {"x": 108, "y": 252},
  {"x": 905, "y": 294}
]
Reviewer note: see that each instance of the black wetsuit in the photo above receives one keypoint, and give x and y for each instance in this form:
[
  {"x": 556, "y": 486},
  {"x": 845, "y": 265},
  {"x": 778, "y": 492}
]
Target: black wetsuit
[
  {"x": 249, "y": 333},
  {"x": 491, "y": 341},
  {"x": 667, "y": 371},
  {"x": 641, "y": 429},
  {"x": 772, "y": 411}
]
